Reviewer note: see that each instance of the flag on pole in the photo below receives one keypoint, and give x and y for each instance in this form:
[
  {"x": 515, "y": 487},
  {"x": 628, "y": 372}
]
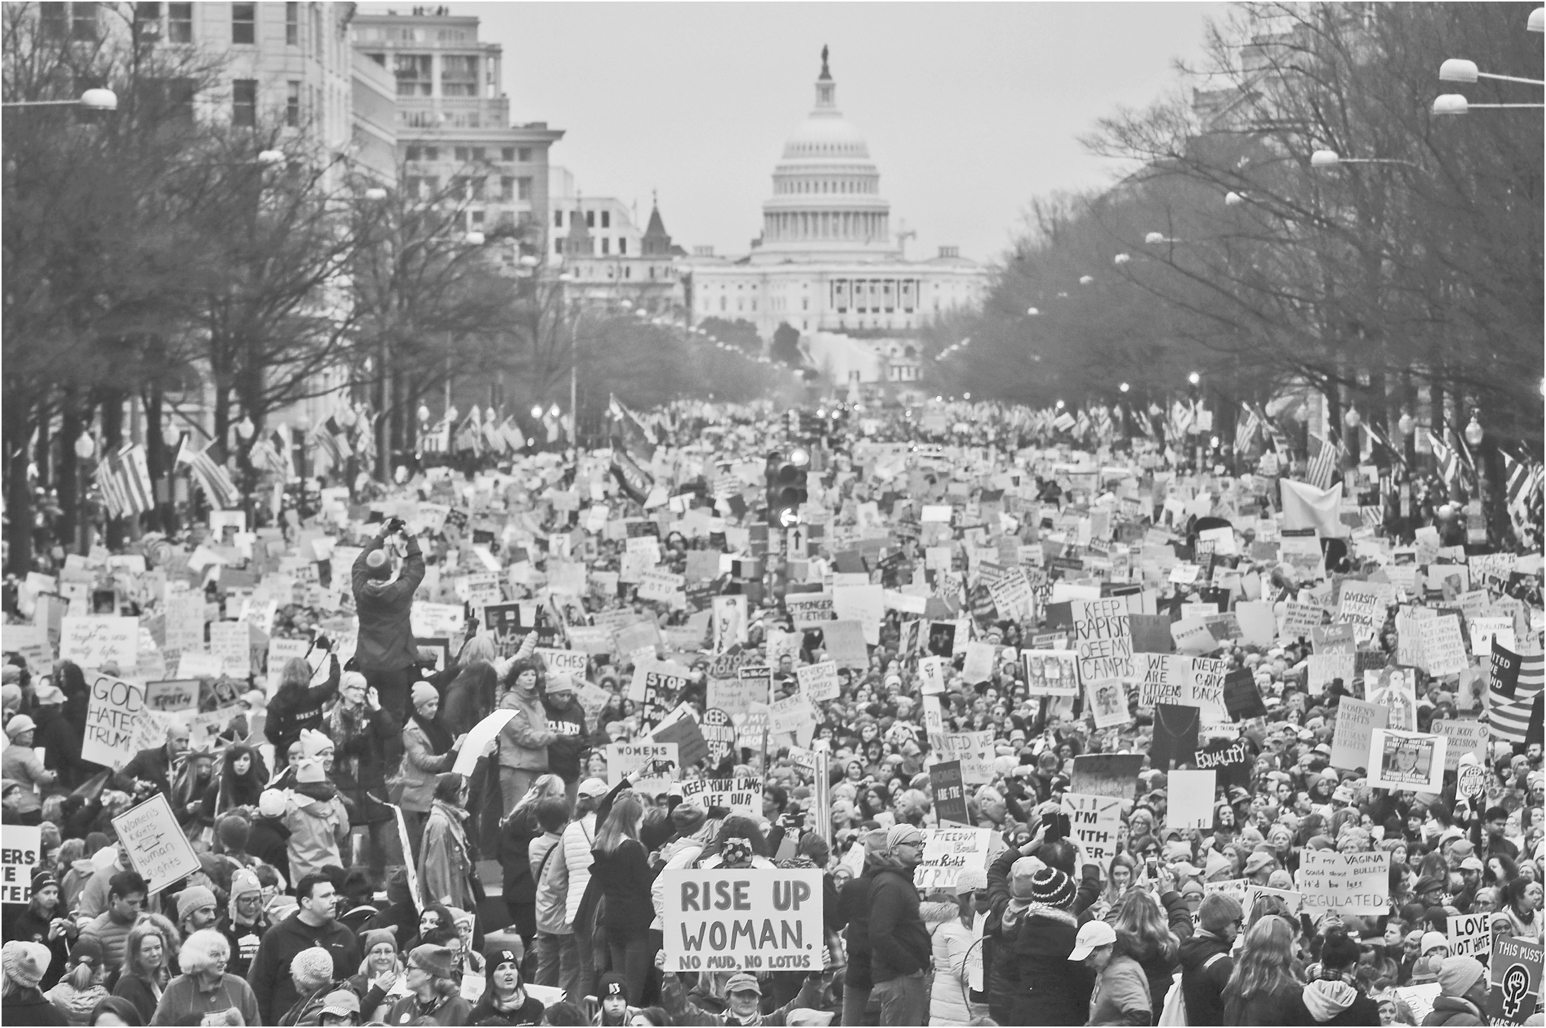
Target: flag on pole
[
  {"x": 282, "y": 439},
  {"x": 636, "y": 483},
  {"x": 330, "y": 437},
  {"x": 1449, "y": 464},
  {"x": 1513, "y": 692},
  {"x": 1246, "y": 428},
  {"x": 264, "y": 457},
  {"x": 211, "y": 477},
  {"x": 1516, "y": 476},
  {"x": 514, "y": 438},
  {"x": 124, "y": 478},
  {"x": 437, "y": 439},
  {"x": 630, "y": 433},
  {"x": 1322, "y": 466},
  {"x": 470, "y": 435}
]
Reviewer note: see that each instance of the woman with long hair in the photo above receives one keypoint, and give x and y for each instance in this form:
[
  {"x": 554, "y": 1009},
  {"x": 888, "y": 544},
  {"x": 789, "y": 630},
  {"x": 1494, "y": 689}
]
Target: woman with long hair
[
  {"x": 621, "y": 866},
  {"x": 80, "y": 989},
  {"x": 1119, "y": 882},
  {"x": 504, "y": 1000},
  {"x": 428, "y": 750},
  {"x": 1144, "y": 935},
  {"x": 1523, "y": 907},
  {"x": 46, "y": 921},
  {"x": 434, "y": 997},
  {"x": 297, "y": 704},
  {"x": 469, "y": 697},
  {"x": 239, "y": 784},
  {"x": 446, "y": 864},
  {"x": 146, "y": 966},
  {"x": 515, "y": 838},
  {"x": 1266, "y": 984}
]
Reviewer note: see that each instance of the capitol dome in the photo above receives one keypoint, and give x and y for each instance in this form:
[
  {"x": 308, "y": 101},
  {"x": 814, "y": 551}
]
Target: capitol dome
[{"x": 826, "y": 199}]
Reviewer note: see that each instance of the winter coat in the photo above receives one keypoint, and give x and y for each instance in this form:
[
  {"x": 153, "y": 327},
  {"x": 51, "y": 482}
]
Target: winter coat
[
  {"x": 1334, "y": 1001},
  {"x": 1452, "y": 1010},
  {"x": 1203, "y": 978},
  {"x": 33, "y": 927},
  {"x": 295, "y": 708},
  {"x": 142, "y": 992},
  {"x": 854, "y": 910},
  {"x": 950, "y": 942},
  {"x": 184, "y": 1002},
  {"x": 899, "y": 943},
  {"x": 523, "y": 741},
  {"x": 550, "y": 893},
  {"x": 515, "y": 840},
  {"x": 28, "y": 1006},
  {"x": 573, "y": 862},
  {"x": 20, "y": 764},
  {"x": 111, "y": 934},
  {"x": 385, "y": 640},
  {"x": 449, "y": 1010},
  {"x": 1031, "y": 957},
  {"x": 625, "y": 877},
  {"x": 61, "y": 742},
  {"x": 1273, "y": 1008},
  {"x": 76, "y": 1004},
  {"x": 420, "y": 766},
  {"x": 485, "y": 1013},
  {"x": 1121, "y": 995},
  {"x": 683, "y": 1011},
  {"x": 152, "y": 765},
  {"x": 445, "y": 861},
  {"x": 269, "y": 841},
  {"x": 469, "y": 698},
  {"x": 319, "y": 833},
  {"x": 243, "y": 940},
  {"x": 568, "y": 745},
  {"x": 360, "y": 759},
  {"x": 269, "y": 975}
]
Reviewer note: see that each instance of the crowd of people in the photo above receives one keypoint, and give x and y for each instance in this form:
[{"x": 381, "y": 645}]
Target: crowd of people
[{"x": 416, "y": 821}]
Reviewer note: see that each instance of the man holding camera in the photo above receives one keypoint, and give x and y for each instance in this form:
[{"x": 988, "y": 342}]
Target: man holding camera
[{"x": 385, "y": 651}]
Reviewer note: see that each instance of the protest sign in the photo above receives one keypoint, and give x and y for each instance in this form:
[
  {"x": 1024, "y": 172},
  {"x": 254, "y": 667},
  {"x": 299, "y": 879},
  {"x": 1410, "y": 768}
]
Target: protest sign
[
  {"x": 1463, "y": 737},
  {"x": 949, "y": 851},
  {"x": 1052, "y": 672},
  {"x": 1094, "y": 822},
  {"x": 98, "y": 640},
  {"x": 975, "y": 752},
  {"x": 1292, "y": 901},
  {"x": 650, "y": 673},
  {"x": 481, "y": 734},
  {"x": 1514, "y": 981},
  {"x": 1107, "y": 703},
  {"x": 738, "y": 795},
  {"x": 819, "y": 681},
  {"x": 626, "y": 758},
  {"x": 1363, "y": 605},
  {"x": 687, "y": 735},
  {"x": 1470, "y": 935},
  {"x": 949, "y": 792},
  {"x": 736, "y": 695},
  {"x": 569, "y": 662},
  {"x": 931, "y": 675},
  {"x": 1356, "y": 722},
  {"x": 1418, "y": 999},
  {"x": 1108, "y": 774},
  {"x": 157, "y": 847},
  {"x": 21, "y": 850},
  {"x": 793, "y": 714},
  {"x": 1395, "y": 689},
  {"x": 718, "y": 731},
  {"x": 280, "y": 652},
  {"x": 1411, "y": 761},
  {"x": 1443, "y": 646},
  {"x": 1205, "y": 688},
  {"x": 231, "y": 642},
  {"x": 111, "y": 711},
  {"x": 1231, "y": 758},
  {"x": 808, "y": 610},
  {"x": 1161, "y": 678},
  {"x": 31, "y": 641},
  {"x": 752, "y": 919},
  {"x": 173, "y": 695},
  {"x": 1348, "y": 883},
  {"x": 1242, "y": 696},
  {"x": 1324, "y": 668},
  {"x": 844, "y": 643},
  {"x": 1191, "y": 799},
  {"x": 1103, "y": 639}
]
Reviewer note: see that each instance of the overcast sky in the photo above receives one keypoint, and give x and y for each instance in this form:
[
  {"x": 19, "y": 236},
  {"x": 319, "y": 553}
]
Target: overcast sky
[{"x": 970, "y": 110}]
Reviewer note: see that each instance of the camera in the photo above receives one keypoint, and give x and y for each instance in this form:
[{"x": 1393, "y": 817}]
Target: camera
[{"x": 1057, "y": 825}]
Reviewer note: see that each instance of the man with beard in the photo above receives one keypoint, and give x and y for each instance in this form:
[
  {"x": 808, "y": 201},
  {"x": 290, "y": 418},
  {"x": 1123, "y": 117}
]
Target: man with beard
[{"x": 899, "y": 942}]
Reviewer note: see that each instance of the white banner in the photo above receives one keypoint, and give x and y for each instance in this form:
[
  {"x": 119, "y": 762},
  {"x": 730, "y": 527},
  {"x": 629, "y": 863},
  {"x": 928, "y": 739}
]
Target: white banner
[{"x": 754, "y": 919}]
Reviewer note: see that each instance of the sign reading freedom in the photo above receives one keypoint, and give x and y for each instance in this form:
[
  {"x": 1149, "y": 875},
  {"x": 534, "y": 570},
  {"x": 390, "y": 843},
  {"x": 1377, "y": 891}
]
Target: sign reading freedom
[{"x": 750, "y": 919}]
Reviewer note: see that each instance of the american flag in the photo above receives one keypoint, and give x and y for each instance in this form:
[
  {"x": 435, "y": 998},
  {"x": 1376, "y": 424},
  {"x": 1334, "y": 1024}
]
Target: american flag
[
  {"x": 265, "y": 457},
  {"x": 1245, "y": 430},
  {"x": 124, "y": 478},
  {"x": 332, "y": 439},
  {"x": 212, "y": 478},
  {"x": 1513, "y": 690},
  {"x": 1322, "y": 466},
  {"x": 1520, "y": 475},
  {"x": 436, "y": 439},
  {"x": 1449, "y": 464},
  {"x": 470, "y": 435}
]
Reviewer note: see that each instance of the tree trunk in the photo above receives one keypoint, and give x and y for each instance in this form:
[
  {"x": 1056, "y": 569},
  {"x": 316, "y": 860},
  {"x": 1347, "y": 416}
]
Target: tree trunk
[
  {"x": 112, "y": 439},
  {"x": 18, "y": 490},
  {"x": 156, "y": 461},
  {"x": 66, "y": 531},
  {"x": 40, "y": 451}
]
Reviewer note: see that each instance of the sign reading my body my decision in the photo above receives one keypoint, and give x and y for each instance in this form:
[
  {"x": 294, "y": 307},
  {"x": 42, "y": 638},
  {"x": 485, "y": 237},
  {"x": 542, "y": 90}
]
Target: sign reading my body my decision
[{"x": 751, "y": 919}]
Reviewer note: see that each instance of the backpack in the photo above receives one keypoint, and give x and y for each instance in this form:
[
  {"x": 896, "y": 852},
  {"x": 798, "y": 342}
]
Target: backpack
[{"x": 1173, "y": 1013}]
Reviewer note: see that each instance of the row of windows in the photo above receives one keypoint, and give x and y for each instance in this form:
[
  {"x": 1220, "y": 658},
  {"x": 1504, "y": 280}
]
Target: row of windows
[
  {"x": 401, "y": 34},
  {"x": 606, "y": 245},
  {"x": 470, "y": 154},
  {"x": 590, "y": 219},
  {"x": 827, "y": 186},
  {"x": 473, "y": 187},
  {"x": 81, "y": 19},
  {"x": 415, "y": 74}
]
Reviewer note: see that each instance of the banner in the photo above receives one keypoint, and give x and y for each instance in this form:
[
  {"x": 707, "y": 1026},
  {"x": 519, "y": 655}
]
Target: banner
[
  {"x": 819, "y": 681},
  {"x": 1356, "y": 722},
  {"x": 570, "y": 662},
  {"x": 95, "y": 641},
  {"x": 1052, "y": 672},
  {"x": 1108, "y": 774},
  {"x": 157, "y": 846},
  {"x": 949, "y": 851},
  {"x": 21, "y": 850},
  {"x": 173, "y": 695},
  {"x": 1348, "y": 883},
  {"x": 949, "y": 792},
  {"x": 1470, "y": 935},
  {"x": 755, "y": 919},
  {"x": 1514, "y": 979},
  {"x": 114, "y": 706},
  {"x": 1094, "y": 822},
  {"x": 1410, "y": 761},
  {"x": 738, "y": 795},
  {"x": 627, "y": 757},
  {"x": 481, "y": 735}
]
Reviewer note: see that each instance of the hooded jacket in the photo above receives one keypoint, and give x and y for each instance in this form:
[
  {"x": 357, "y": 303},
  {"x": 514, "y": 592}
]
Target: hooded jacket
[
  {"x": 523, "y": 741},
  {"x": 319, "y": 829},
  {"x": 1334, "y": 1001},
  {"x": 445, "y": 860},
  {"x": 296, "y": 708},
  {"x": 1452, "y": 1010},
  {"x": 899, "y": 943},
  {"x": 951, "y": 942},
  {"x": 1031, "y": 957},
  {"x": 385, "y": 641},
  {"x": 1205, "y": 970},
  {"x": 420, "y": 766}
]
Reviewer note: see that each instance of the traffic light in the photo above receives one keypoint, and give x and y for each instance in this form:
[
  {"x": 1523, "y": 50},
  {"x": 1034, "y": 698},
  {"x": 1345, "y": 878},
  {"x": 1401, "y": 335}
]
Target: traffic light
[{"x": 785, "y": 479}]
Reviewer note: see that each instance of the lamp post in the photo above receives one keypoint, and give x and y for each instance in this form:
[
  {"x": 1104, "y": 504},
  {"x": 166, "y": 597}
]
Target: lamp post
[
  {"x": 91, "y": 100},
  {"x": 1325, "y": 159},
  {"x": 1454, "y": 103}
]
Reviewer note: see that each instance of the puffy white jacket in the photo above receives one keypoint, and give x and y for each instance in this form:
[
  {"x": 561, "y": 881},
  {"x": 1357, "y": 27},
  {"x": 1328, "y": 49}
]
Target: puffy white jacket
[{"x": 579, "y": 837}]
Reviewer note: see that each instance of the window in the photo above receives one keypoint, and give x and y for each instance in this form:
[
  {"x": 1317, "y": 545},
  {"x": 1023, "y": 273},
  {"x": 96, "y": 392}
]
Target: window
[
  {"x": 479, "y": 153},
  {"x": 523, "y": 188},
  {"x": 378, "y": 58},
  {"x": 524, "y": 155},
  {"x": 507, "y": 153},
  {"x": 479, "y": 184},
  {"x": 477, "y": 219},
  {"x": 292, "y": 23},
  {"x": 432, "y": 153},
  {"x": 432, "y": 183},
  {"x": 462, "y": 154},
  {"x": 606, "y": 219},
  {"x": 293, "y": 104},
  {"x": 622, "y": 245},
  {"x": 56, "y": 20},
  {"x": 147, "y": 20},
  {"x": 414, "y": 153},
  {"x": 415, "y": 74},
  {"x": 414, "y": 185},
  {"x": 83, "y": 22},
  {"x": 507, "y": 219},
  {"x": 459, "y": 187},
  {"x": 244, "y": 23},
  {"x": 590, "y": 219},
  {"x": 606, "y": 245},
  {"x": 458, "y": 75},
  {"x": 244, "y": 103},
  {"x": 507, "y": 188},
  {"x": 558, "y": 219}
]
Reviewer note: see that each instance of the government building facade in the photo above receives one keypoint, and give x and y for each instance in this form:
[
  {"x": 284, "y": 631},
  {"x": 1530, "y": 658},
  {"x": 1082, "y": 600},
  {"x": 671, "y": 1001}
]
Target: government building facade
[{"x": 829, "y": 259}]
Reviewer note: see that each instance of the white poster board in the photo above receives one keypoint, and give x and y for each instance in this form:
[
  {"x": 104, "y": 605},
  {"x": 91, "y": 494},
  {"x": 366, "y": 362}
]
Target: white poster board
[
  {"x": 752, "y": 919},
  {"x": 157, "y": 847}
]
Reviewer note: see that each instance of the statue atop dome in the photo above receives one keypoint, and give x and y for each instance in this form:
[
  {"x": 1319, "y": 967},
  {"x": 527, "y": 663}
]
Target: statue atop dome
[{"x": 825, "y": 73}]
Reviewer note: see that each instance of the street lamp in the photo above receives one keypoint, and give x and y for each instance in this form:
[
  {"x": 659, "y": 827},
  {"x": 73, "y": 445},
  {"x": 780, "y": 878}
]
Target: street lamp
[
  {"x": 1332, "y": 159},
  {"x": 1085, "y": 280},
  {"x": 85, "y": 446},
  {"x": 1032, "y": 311},
  {"x": 1352, "y": 419},
  {"x": 474, "y": 239},
  {"x": 1473, "y": 431},
  {"x": 1454, "y": 103},
  {"x": 375, "y": 194},
  {"x": 1405, "y": 423},
  {"x": 1155, "y": 238},
  {"x": 1121, "y": 258},
  {"x": 423, "y": 413},
  {"x": 1233, "y": 199},
  {"x": 1124, "y": 387},
  {"x": 1194, "y": 378},
  {"x": 245, "y": 428},
  {"x": 1537, "y": 22},
  {"x": 91, "y": 100},
  {"x": 270, "y": 158},
  {"x": 536, "y": 412},
  {"x": 1457, "y": 69}
]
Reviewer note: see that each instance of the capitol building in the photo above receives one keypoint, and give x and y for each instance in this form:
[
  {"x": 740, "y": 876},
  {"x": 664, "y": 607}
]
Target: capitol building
[{"x": 829, "y": 260}]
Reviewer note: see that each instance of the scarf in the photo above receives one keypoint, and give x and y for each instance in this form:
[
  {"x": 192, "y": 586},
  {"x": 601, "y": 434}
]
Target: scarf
[
  {"x": 323, "y": 790},
  {"x": 439, "y": 738},
  {"x": 345, "y": 725}
]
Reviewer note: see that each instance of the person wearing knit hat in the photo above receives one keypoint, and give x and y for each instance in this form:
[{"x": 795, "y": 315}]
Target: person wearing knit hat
[
  {"x": 434, "y": 997},
  {"x": 1030, "y": 980},
  {"x": 1463, "y": 989},
  {"x": 384, "y": 649},
  {"x": 196, "y": 909},
  {"x": 900, "y": 947},
  {"x": 612, "y": 990},
  {"x": 23, "y": 965},
  {"x": 19, "y": 763},
  {"x": 687, "y": 818},
  {"x": 380, "y": 970},
  {"x": 243, "y": 923}
]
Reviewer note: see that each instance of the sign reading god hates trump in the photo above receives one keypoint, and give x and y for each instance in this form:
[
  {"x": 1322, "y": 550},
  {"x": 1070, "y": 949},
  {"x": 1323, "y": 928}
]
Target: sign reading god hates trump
[{"x": 751, "y": 919}]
